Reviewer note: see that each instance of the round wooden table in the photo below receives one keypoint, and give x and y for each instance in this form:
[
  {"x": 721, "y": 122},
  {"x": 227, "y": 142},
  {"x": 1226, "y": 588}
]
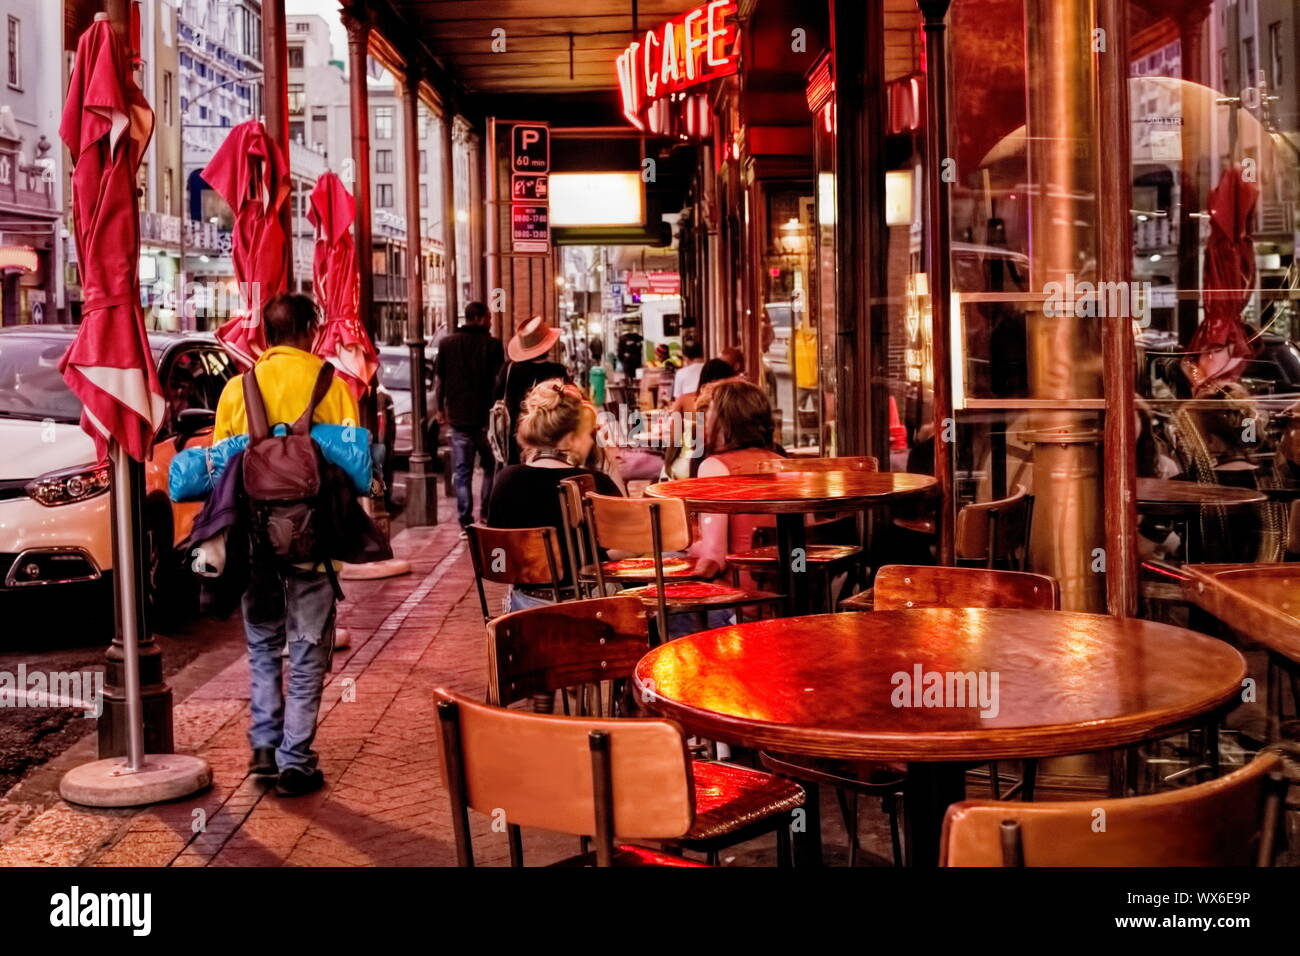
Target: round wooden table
[
  {"x": 791, "y": 495},
  {"x": 853, "y": 686},
  {"x": 1163, "y": 496}
]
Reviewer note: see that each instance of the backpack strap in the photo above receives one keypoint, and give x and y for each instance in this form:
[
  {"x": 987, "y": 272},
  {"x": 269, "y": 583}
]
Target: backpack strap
[
  {"x": 254, "y": 408},
  {"x": 323, "y": 381}
]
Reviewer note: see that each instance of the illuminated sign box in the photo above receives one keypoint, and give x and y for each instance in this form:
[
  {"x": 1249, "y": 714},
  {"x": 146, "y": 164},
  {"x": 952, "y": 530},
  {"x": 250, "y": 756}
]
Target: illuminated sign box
[
  {"x": 696, "y": 47},
  {"x": 597, "y": 199}
]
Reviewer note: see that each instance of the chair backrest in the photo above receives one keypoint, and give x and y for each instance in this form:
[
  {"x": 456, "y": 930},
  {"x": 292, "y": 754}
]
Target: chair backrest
[
  {"x": 1225, "y": 822},
  {"x": 518, "y": 556},
  {"x": 1293, "y": 528},
  {"x": 626, "y": 524},
  {"x": 573, "y": 515},
  {"x": 1003, "y": 522},
  {"x": 770, "y": 465},
  {"x": 584, "y": 776},
  {"x": 579, "y": 643},
  {"x": 901, "y": 586}
]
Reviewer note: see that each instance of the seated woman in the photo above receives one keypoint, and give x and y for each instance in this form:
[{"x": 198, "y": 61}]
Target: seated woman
[
  {"x": 556, "y": 432},
  {"x": 738, "y": 432}
]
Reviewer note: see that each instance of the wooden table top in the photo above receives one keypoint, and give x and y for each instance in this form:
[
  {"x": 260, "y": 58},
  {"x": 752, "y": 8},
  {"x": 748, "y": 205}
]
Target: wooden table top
[
  {"x": 792, "y": 491},
  {"x": 828, "y": 684},
  {"x": 1164, "y": 495},
  {"x": 1261, "y": 601}
]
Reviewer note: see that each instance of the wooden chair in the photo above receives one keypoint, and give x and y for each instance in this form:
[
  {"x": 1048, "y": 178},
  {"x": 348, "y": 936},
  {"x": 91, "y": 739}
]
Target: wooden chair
[
  {"x": 996, "y": 532},
  {"x": 902, "y": 586},
  {"x": 597, "y": 777},
  {"x": 520, "y": 557},
  {"x": 826, "y": 560},
  {"x": 573, "y": 493},
  {"x": 653, "y": 526},
  {"x": 1231, "y": 821}
]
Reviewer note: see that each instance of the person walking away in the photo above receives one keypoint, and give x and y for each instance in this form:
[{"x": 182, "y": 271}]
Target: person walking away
[
  {"x": 528, "y": 365},
  {"x": 687, "y": 379},
  {"x": 283, "y": 601},
  {"x": 467, "y": 366}
]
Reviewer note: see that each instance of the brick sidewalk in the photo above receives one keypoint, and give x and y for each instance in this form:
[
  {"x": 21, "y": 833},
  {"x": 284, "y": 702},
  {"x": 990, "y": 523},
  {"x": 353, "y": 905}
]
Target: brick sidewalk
[{"x": 383, "y": 805}]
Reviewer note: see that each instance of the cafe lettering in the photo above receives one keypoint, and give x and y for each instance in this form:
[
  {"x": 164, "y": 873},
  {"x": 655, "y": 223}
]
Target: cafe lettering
[{"x": 694, "y": 48}]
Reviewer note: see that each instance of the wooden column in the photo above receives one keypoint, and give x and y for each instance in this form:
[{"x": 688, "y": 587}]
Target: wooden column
[
  {"x": 275, "y": 101},
  {"x": 1114, "y": 179},
  {"x": 937, "y": 246},
  {"x": 449, "y": 213},
  {"x": 358, "y": 49},
  {"x": 421, "y": 504}
]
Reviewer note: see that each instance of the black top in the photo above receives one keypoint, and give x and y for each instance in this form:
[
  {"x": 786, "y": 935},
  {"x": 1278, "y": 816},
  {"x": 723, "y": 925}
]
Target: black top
[
  {"x": 520, "y": 377},
  {"x": 467, "y": 365},
  {"x": 524, "y": 496}
]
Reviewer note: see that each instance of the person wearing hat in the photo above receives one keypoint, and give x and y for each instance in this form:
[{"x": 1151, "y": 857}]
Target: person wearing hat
[{"x": 527, "y": 366}]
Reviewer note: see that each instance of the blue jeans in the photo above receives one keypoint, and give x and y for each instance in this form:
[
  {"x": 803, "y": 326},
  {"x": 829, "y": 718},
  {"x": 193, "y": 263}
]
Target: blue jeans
[
  {"x": 517, "y": 600},
  {"x": 296, "y": 605},
  {"x": 465, "y": 444}
]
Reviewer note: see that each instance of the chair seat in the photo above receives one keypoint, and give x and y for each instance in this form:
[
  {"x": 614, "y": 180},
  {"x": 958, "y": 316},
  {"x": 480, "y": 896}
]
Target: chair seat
[
  {"x": 817, "y": 554},
  {"x": 862, "y": 601},
  {"x": 629, "y": 855},
  {"x": 682, "y": 596},
  {"x": 919, "y": 525},
  {"x": 729, "y": 798},
  {"x": 641, "y": 569},
  {"x": 862, "y": 776}
]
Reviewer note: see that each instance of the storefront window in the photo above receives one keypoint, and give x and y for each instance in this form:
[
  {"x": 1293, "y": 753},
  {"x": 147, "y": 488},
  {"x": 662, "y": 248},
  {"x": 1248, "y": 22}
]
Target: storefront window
[{"x": 787, "y": 331}]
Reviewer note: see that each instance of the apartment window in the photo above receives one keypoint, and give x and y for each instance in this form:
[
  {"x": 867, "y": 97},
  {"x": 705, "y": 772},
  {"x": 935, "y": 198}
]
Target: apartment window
[
  {"x": 1275, "y": 55},
  {"x": 168, "y": 116},
  {"x": 15, "y": 54},
  {"x": 319, "y": 129},
  {"x": 383, "y": 122},
  {"x": 297, "y": 97},
  {"x": 296, "y": 131},
  {"x": 1248, "y": 65},
  {"x": 384, "y": 195},
  {"x": 424, "y": 124},
  {"x": 424, "y": 195},
  {"x": 424, "y": 161},
  {"x": 295, "y": 57},
  {"x": 383, "y": 160},
  {"x": 167, "y": 192}
]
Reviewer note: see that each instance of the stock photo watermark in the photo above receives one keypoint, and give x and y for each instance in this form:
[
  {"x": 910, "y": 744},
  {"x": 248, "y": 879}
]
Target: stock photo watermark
[
  {"x": 82, "y": 690},
  {"x": 922, "y": 688}
]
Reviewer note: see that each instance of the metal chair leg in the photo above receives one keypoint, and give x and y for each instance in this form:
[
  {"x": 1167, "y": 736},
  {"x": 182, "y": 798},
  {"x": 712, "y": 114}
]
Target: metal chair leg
[{"x": 1030, "y": 777}]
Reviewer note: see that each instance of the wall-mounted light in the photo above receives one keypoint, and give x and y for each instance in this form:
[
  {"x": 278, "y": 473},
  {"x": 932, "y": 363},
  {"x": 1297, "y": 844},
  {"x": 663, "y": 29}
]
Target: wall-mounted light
[{"x": 898, "y": 198}]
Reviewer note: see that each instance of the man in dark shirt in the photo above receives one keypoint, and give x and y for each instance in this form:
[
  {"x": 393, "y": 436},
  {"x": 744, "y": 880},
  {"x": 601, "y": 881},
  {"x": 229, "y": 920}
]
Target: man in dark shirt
[
  {"x": 528, "y": 365},
  {"x": 468, "y": 362}
]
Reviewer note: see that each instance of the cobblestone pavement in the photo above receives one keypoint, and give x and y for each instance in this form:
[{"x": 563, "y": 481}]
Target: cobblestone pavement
[{"x": 384, "y": 804}]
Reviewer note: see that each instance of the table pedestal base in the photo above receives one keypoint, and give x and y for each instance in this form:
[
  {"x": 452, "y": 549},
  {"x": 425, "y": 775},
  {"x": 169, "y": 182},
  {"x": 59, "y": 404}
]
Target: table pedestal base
[{"x": 931, "y": 788}]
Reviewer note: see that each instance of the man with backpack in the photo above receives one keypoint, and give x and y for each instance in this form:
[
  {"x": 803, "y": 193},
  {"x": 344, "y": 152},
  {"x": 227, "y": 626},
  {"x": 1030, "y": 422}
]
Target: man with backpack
[
  {"x": 467, "y": 366},
  {"x": 291, "y": 592}
]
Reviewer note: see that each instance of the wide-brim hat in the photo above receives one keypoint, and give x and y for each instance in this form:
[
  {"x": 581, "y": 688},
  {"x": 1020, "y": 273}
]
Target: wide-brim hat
[{"x": 533, "y": 338}]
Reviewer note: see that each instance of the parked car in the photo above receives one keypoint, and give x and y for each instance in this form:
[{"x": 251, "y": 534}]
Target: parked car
[
  {"x": 395, "y": 379},
  {"x": 55, "y": 535}
]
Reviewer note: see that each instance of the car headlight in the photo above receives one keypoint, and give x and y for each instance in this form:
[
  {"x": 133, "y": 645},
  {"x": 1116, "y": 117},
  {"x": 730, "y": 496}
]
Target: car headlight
[
  {"x": 403, "y": 419},
  {"x": 69, "y": 486}
]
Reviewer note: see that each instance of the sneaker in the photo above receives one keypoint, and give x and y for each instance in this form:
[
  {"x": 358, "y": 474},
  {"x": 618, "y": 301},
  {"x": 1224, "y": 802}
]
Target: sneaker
[
  {"x": 463, "y": 534},
  {"x": 263, "y": 762},
  {"x": 296, "y": 782}
]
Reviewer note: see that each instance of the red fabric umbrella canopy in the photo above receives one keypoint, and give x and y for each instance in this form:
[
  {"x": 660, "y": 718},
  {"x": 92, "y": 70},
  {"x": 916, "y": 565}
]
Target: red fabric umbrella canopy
[
  {"x": 106, "y": 125},
  {"x": 250, "y": 173},
  {"x": 342, "y": 339},
  {"x": 1221, "y": 343}
]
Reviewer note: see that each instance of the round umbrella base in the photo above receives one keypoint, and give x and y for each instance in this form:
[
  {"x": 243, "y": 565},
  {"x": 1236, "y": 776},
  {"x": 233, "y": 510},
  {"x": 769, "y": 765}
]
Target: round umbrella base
[
  {"x": 391, "y": 568},
  {"x": 108, "y": 782}
]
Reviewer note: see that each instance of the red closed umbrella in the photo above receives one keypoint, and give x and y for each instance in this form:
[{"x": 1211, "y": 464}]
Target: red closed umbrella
[
  {"x": 342, "y": 339},
  {"x": 251, "y": 174},
  {"x": 1221, "y": 345},
  {"x": 107, "y": 125}
]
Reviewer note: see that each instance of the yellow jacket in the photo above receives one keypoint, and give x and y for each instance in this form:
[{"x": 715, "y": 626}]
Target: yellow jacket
[{"x": 286, "y": 376}]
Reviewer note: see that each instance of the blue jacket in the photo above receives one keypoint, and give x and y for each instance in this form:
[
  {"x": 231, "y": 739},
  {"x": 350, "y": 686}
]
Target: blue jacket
[{"x": 195, "y": 471}]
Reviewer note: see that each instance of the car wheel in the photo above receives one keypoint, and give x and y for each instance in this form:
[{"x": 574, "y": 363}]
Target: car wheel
[{"x": 168, "y": 590}]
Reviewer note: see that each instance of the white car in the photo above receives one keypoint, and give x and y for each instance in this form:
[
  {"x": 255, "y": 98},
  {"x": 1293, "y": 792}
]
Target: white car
[{"x": 55, "y": 527}]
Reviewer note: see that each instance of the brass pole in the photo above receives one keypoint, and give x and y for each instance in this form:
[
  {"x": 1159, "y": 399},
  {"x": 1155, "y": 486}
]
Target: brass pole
[
  {"x": 449, "y": 213},
  {"x": 1116, "y": 262},
  {"x": 275, "y": 102},
  {"x": 937, "y": 246}
]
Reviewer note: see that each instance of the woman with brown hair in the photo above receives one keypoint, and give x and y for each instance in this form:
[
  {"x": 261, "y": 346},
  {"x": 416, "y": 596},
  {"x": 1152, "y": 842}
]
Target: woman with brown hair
[{"x": 738, "y": 432}]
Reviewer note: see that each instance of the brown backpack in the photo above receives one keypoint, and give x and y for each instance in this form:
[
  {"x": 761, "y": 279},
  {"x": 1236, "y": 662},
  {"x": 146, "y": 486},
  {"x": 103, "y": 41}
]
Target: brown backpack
[{"x": 282, "y": 477}]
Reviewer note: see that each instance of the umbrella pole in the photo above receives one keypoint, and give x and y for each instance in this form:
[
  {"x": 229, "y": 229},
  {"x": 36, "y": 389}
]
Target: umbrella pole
[
  {"x": 137, "y": 779},
  {"x": 125, "y": 577}
]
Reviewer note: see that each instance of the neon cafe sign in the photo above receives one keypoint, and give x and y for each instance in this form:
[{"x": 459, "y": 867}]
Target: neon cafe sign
[{"x": 696, "y": 47}]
